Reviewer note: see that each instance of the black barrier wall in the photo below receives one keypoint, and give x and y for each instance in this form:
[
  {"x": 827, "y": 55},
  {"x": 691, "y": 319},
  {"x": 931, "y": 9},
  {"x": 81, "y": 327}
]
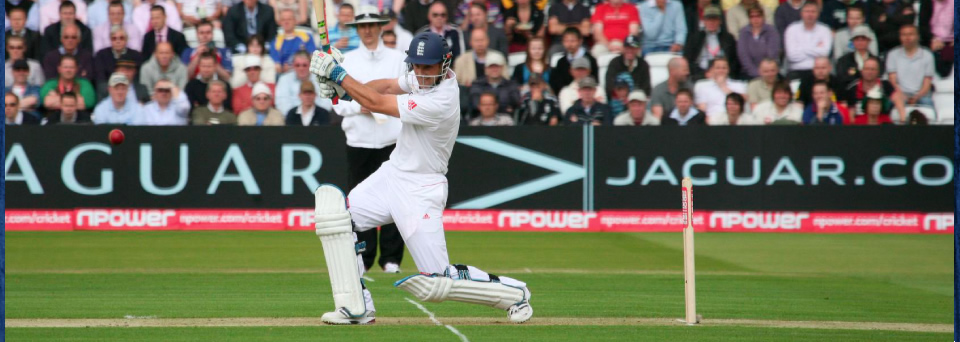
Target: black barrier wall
[{"x": 734, "y": 168}]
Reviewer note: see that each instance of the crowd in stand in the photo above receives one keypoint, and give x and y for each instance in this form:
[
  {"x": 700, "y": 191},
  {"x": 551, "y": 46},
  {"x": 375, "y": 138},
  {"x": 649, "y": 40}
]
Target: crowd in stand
[{"x": 518, "y": 62}]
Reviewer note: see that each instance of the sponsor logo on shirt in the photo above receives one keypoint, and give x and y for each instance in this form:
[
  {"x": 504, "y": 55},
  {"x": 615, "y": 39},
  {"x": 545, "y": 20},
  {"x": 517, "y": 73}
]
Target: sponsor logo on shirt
[{"x": 411, "y": 105}]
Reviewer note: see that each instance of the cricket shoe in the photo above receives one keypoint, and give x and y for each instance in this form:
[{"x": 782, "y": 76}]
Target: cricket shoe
[
  {"x": 391, "y": 267},
  {"x": 521, "y": 312},
  {"x": 343, "y": 317}
]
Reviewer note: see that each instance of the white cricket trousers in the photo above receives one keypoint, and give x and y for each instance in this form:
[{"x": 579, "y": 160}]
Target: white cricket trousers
[{"x": 415, "y": 202}]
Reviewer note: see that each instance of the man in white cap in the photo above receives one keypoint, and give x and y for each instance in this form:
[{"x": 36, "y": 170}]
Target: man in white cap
[
  {"x": 117, "y": 109},
  {"x": 507, "y": 91},
  {"x": 636, "y": 113},
  {"x": 262, "y": 112},
  {"x": 371, "y": 136},
  {"x": 848, "y": 66},
  {"x": 243, "y": 96}
]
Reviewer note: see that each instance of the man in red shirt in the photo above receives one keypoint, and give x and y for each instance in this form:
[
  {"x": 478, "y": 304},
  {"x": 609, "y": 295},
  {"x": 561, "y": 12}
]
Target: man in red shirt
[{"x": 612, "y": 22}]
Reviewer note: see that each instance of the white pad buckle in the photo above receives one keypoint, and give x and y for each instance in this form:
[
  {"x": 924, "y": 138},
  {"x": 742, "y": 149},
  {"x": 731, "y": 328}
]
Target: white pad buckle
[{"x": 334, "y": 227}]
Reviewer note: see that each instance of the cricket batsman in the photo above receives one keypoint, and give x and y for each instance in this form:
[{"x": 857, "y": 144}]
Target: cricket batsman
[{"x": 410, "y": 189}]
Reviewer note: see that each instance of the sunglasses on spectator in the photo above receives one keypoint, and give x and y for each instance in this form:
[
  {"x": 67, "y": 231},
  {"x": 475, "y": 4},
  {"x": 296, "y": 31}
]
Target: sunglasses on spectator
[
  {"x": 71, "y": 37},
  {"x": 301, "y": 65},
  {"x": 12, "y": 104},
  {"x": 118, "y": 38},
  {"x": 15, "y": 47},
  {"x": 262, "y": 98},
  {"x": 438, "y": 15},
  {"x": 163, "y": 90}
]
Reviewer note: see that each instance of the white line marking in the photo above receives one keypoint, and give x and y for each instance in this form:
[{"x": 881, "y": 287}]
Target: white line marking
[
  {"x": 437, "y": 321},
  {"x": 368, "y": 278}
]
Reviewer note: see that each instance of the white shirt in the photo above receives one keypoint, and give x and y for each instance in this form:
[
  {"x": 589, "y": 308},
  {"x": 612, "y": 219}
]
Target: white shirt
[
  {"x": 431, "y": 122},
  {"x": 404, "y": 38},
  {"x": 766, "y": 113},
  {"x": 306, "y": 115},
  {"x": 708, "y": 92},
  {"x": 176, "y": 113},
  {"x": 571, "y": 93},
  {"x": 806, "y": 45},
  {"x": 379, "y": 130},
  {"x": 722, "y": 119},
  {"x": 18, "y": 120}
]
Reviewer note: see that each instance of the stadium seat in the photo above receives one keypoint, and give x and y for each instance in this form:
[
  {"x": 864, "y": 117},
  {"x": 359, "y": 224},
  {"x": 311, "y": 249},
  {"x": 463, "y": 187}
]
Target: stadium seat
[
  {"x": 604, "y": 61},
  {"x": 602, "y": 74},
  {"x": 516, "y": 58},
  {"x": 190, "y": 34},
  {"x": 658, "y": 75},
  {"x": 555, "y": 59},
  {"x": 944, "y": 84},
  {"x": 944, "y": 105},
  {"x": 795, "y": 86},
  {"x": 659, "y": 59},
  {"x": 926, "y": 111}
]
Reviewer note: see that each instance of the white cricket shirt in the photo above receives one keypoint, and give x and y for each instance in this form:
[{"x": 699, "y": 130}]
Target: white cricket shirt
[{"x": 431, "y": 122}]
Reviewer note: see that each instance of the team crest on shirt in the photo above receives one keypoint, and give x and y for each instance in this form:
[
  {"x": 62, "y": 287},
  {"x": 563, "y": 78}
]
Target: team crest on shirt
[{"x": 411, "y": 105}]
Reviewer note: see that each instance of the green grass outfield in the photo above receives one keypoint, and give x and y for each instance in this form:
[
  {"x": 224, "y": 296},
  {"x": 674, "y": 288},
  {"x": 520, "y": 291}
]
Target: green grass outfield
[{"x": 214, "y": 286}]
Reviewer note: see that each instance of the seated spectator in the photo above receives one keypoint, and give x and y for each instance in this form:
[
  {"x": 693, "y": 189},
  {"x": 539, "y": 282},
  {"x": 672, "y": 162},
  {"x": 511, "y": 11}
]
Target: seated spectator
[
  {"x": 170, "y": 106},
  {"x": 289, "y": 41},
  {"x": 307, "y": 113},
  {"x": 116, "y": 109},
  {"x": 68, "y": 114},
  {"x": 215, "y": 112},
  {"x": 663, "y": 97},
  {"x": 587, "y": 110},
  {"x": 343, "y": 36},
  {"x": 636, "y": 113},
  {"x": 573, "y": 48},
  {"x": 939, "y": 34},
  {"x": 470, "y": 66},
  {"x": 886, "y": 19},
  {"x": 822, "y": 110},
  {"x": 734, "y": 114},
  {"x": 760, "y": 89},
  {"x": 288, "y": 87},
  {"x": 262, "y": 112},
  {"x": 251, "y": 18},
  {"x": 14, "y": 116},
  {"x": 15, "y": 46},
  {"x": 163, "y": 66},
  {"x": 564, "y": 15},
  {"x": 389, "y": 39},
  {"x": 301, "y": 9},
  {"x": 524, "y": 23},
  {"x": 205, "y": 44},
  {"x": 738, "y": 17},
  {"x": 833, "y": 13},
  {"x": 508, "y": 93},
  {"x": 53, "y": 34},
  {"x": 143, "y": 12},
  {"x": 196, "y": 89},
  {"x": 845, "y": 40},
  {"x": 630, "y": 66},
  {"x": 415, "y": 14},
  {"x": 539, "y": 107},
  {"x": 268, "y": 69},
  {"x": 910, "y": 68},
  {"x": 488, "y": 112},
  {"x": 478, "y": 20},
  {"x": 613, "y": 21},
  {"x": 876, "y": 110},
  {"x": 403, "y": 37},
  {"x": 870, "y": 81},
  {"x": 664, "y": 27},
  {"x": 67, "y": 82},
  {"x": 684, "y": 113},
  {"x": 70, "y": 39},
  {"x": 136, "y": 92},
  {"x": 694, "y": 13},
  {"x": 495, "y": 10},
  {"x": 848, "y": 67},
  {"x": 780, "y": 110},
  {"x": 28, "y": 95},
  {"x": 243, "y": 96},
  {"x": 618, "y": 95},
  {"x": 917, "y": 118},
  {"x": 438, "y": 17},
  {"x": 31, "y": 39},
  {"x": 821, "y": 72},
  {"x": 105, "y": 61},
  {"x": 759, "y": 41},
  {"x": 806, "y": 40},
  {"x": 103, "y": 33},
  {"x": 580, "y": 70},
  {"x": 162, "y": 33},
  {"x": 711, "y": 93},
  {"x": 193, "y": 12},
  {"x": 710, "y": 43},
  {"x": 787, "y": 14},
  {"x": 536, "y": 63}
]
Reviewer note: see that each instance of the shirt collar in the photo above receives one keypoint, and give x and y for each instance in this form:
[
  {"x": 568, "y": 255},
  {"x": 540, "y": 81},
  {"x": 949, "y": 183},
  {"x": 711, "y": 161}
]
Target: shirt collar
[
  {"x": 256, "y": 8},
  {"x": 210, "y": 107},
  {"x": 375, "y": 52},
  {"x": 18, "y": 119},
  {"x": 63, "y": 51},
  {"x": 675, "y": 114}
]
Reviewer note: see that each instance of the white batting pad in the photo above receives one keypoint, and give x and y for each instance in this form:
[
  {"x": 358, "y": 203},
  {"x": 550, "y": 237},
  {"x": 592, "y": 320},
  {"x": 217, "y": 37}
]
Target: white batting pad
[
  {"x": 332, "y": 221},
  {"x": 438, "y": 288}
]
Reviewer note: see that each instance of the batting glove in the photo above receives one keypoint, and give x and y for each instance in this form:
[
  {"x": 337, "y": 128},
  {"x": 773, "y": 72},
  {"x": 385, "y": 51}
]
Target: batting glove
[
  {"x": 329, "y": 90},
  {"x": 327, "y": 65}
]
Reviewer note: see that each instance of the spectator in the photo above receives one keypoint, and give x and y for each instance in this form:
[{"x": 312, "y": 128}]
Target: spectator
[
  {"x": 117, "y": 109},
  {"x": 562, "y": 75},
  {"x": 196, "y": 88},
  {"x": 780, "y": 110},
  {"x": 243, "y": 95},
  {"x": 822, "y": 110},
  {"x": 415, "y": 13},
  {"x": 613, "y": 21},
  {"x": 170, "y": 106},
  {"x": 875, "y": 108},
  {"x": 618, "y": 95},
  {"x": 343, "y": 36},
  {"x": 787, "y": 14},
  {"x": 215, "y": 112},
  {"x": 247, "y": 19},
  {"x": 30, "y": 39},
  {"x": 16, "y": 46},
  {"x": 193, "y": 12},
  {"x": 288, "y": 86},
  {"x": 404, "y": 37},
  {"x": 539, "y": 107},
  {"x": 917, "y": 118},
  {"x": 734, "y": 114},
  {"x": 525, "y": 22},
  {"x": 805, "y": 41},
  {"x": 848, "y": 67},
  {"x": 508, "y": 92},
  {"x": 438, "y": 24},
  {"x": 759, "y": 41},
  {"x": 569, "y": 94},
  {"x": 103, "y": 33},
  {"x": 307, "y": 114},
  {"x": 760, "y": 89},
  {"x": 536, "y": 63},
  {"x": 14, "y": 116},
  {"x": 478, "y": 20},
  {"x": 711, "y": 93},
  {"x": 886, "y": 19},
  {"x": 910, "y": 68},
  {"x": 695, "y": 14},
  {"x": 70, "y": 39},
  {"x": 664, "y": 27},
  {"x": 629, "y": 66},
  {"x": 710, "y": 43},
  {"x": 261, "y": 113},
  {"x": 844, "y": 41},
  {"x": 833, "y": 13},
  {"x": 268, "y": 69},
  {"x": 300, "y": 9},
  {"x": 587, "y": 110},
  {"x": 494, "y": 9},
  {"x": 488, "y": 112},
  {"x": 144, "y": 12},
  {"x": 663, "y": 97},
  {"x": 821, "y": 72},
  {"x": 289, "y": 41},
  {"x": 66, "y": 80},
  {"x": 106, "y": 60},
  {"x": 163, "y": 66},
  {"x": 564, "y": 15},
  {"x": 684, "y": 114},
  {"x": 28, "y": 95},
  {"x": 469, "y": 66},
  {"x": 938, "y": 35},
  {"x": 205, "y": 44},
  {"x": 69, "y": 113},
  {"x": 870, "y": 81},
  {"x": 136, "y": 92},
  {"x": 25, "y": 6},
  {"x": 738, "y": 17},
  {"x": 52, "y": 12},
  {"x": 162, "y": 33},
  {"x": 636, "y": 113},
  {"x": 389, "y": 39}
]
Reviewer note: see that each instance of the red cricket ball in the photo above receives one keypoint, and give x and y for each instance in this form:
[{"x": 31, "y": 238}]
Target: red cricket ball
[{"x": 116, "y": 137}]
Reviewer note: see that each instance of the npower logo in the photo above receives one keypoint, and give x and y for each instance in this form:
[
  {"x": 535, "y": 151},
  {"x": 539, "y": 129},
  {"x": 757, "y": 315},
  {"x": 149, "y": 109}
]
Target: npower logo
[
  {"x": 545, "y": 219},
  {"x": 124, "y": 217},
  {"x": 758, "y": 220},
  {"x": 937, "y": 222}
]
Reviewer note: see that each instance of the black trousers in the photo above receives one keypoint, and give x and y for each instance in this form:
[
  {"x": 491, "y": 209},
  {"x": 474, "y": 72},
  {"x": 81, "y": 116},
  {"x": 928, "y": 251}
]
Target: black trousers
[{"x": 362, "y": 163}]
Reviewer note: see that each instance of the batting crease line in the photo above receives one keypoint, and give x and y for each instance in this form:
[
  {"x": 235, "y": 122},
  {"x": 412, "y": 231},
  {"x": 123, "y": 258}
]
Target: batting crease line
[{"x": 437, "y": 322}]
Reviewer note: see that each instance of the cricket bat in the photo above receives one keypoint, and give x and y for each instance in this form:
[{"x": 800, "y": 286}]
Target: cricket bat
[{"x": 319, "y": 8}]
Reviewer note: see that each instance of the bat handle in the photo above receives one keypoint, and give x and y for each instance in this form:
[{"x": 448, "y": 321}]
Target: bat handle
[{"x": 335, "y": 99}]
